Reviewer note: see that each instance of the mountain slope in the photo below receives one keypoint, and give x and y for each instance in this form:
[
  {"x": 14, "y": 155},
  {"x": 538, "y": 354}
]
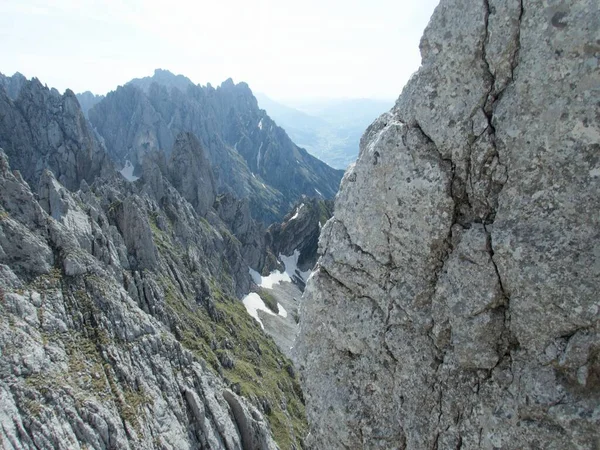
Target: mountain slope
[
  {"x": 120, "y": 324},
  {"x": 251, "y": 156},
  {"x": 87, "y": 100},
  {"x": 456, "y": 302}
]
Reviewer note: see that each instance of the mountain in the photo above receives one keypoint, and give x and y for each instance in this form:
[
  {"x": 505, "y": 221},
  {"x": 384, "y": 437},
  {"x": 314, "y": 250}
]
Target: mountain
[
  {"x": 251, "y": 156},
  {"x": 328, "y": 129},
  {"x": 164, "y": 78},
  {"x": 455, "y": 304},
  {"x": 121, "y": 324}
]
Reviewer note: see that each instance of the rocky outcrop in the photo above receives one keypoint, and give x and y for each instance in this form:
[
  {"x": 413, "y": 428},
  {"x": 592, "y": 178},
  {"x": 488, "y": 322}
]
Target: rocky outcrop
[
  {"x": 251, "y": 156},
  {"x": 455, "y": 304},
  {"x": 12, "y": 85},
  {"x": 250, "y": 233},
  {"x": 42, "y": 129}
]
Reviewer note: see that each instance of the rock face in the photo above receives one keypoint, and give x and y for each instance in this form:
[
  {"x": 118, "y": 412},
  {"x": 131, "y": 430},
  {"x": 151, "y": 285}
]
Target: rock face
[
  {"x": 87, "y": 100},
  {"x": 39, "y": 129},
  {"x": 120, "y": 328},
  {"x": 455, "y": 304},
  {"x": 191, "y": 173},
  {"x": 12, "y": 85},
  {"x": 251, "y": 156}
]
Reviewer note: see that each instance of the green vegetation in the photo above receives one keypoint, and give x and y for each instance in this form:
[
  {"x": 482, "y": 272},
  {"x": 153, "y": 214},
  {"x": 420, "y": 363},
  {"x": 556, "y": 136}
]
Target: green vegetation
[
  {"x": 324, "y": 212},
  {"x": 269, "y": 299},
  {"x": 259, "y": 372}
]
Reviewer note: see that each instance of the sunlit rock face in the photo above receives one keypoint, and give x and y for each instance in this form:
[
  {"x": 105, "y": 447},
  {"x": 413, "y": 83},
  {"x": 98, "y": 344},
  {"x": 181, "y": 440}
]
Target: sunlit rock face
[{"x": 455, "y": 304}]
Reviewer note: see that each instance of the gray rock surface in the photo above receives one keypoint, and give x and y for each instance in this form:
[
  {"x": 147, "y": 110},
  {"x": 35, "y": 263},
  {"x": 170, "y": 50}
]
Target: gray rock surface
[
  {"x": 250, "y": 233},
  {"x": 455, "y": 304},
  {"x": 12, "y": 85},
  {"x": 300, "y": 231},
  {"x": 87, "y": 100}
]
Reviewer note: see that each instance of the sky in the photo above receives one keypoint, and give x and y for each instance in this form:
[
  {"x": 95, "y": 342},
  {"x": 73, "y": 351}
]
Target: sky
[{"x": 305, "y": 49}]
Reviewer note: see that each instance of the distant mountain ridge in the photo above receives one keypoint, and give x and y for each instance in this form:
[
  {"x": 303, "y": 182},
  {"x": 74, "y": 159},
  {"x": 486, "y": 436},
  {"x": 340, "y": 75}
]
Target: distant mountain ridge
[
  {"x": 251, "y": 156},
  {"x": 329, "y": 129}
]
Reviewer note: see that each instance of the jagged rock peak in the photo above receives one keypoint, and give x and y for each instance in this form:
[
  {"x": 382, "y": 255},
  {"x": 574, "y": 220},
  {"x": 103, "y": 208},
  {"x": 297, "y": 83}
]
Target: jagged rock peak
[
  {"x": 12, "y": 85},
  {"x": 455, "y": 304},
  {"x": 41, "y": 129},
  {"x": 165, "y": 78},
  {"x": 87, "y": 100},
  {"x": 251, "y": 156}
]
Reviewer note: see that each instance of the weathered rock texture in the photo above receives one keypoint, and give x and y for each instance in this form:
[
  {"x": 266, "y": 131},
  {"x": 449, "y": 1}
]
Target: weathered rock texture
[{"x": 456, "y": 302}]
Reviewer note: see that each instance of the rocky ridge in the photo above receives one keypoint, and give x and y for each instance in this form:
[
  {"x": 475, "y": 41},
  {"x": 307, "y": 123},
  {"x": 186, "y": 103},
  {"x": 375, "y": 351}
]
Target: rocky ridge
[
  {"x": 39, "y": 129},
  {"x": 455, "y": 304},
  {"x": 121, "y": 326}
]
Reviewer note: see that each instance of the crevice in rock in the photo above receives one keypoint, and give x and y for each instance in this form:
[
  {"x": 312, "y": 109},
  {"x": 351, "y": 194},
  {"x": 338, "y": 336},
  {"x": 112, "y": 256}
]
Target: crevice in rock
[{"x": 515, "y": 56}]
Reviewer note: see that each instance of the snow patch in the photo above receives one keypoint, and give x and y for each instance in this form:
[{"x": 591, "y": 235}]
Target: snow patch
[
  {"x": 267, "y": 282},
  {"x": 253, "y": 304},
  {"x": 282, "y": 311},
  {"x": 295, "y": 216},
  {"x": 127, "y": 172},
  {"x": 291, "y": 266}
]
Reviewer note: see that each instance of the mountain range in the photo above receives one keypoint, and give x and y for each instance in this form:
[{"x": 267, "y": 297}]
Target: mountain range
[
  {"x": 251, "y": 156},
  {"x": 453, "y": 305}
]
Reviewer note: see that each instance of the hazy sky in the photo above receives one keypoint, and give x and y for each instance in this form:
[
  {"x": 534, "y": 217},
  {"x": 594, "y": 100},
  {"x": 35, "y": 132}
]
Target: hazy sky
[{"x": 286, "y": 49}]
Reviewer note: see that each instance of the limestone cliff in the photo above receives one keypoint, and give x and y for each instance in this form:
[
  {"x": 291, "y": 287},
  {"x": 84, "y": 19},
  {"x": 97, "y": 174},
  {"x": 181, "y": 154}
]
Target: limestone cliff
[{"x": 456, "y": 301}]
